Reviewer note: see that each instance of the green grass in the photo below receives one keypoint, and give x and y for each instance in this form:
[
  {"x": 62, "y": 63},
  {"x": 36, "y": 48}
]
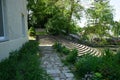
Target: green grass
[{"x": 41, "y": 33}]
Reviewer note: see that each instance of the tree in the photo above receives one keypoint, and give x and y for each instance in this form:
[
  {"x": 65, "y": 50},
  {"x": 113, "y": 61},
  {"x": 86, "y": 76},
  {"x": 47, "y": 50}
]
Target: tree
[
  {"x": 116, "y": 29},
  {"x": 39, "y": 12},
  {"x": 65, "y": 14},
  {"x": 30, "y": 7},
  {"x": 100, "y": 17},
  {"x": 56, "y": 16}
]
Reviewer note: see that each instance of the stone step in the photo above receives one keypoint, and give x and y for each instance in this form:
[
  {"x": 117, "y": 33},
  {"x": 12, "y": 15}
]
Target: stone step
[
  {"x": 93, "y": 52},
  {"x": 78, "y": 45},
  {"x": 82, "y": 49},
  {"x": 85, "y": 51}
]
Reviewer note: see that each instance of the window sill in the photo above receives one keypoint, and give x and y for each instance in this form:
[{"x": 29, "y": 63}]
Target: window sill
[{"x": 3, "y": 39}]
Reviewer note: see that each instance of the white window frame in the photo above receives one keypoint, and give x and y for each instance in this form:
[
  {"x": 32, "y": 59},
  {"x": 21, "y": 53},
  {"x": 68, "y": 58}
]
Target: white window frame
[{"x": 2, "y": 38}]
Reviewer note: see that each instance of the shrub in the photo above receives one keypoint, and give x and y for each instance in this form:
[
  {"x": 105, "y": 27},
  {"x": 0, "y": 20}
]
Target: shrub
[
  {"x": 87, "y": 64},
  {"x": 23, "y": 64},
  {"x": 72, "y": 57},
  {"x": 32, "y": 31},
  {"x": 110, "y": 70},
  {"x": 97, "y": 76},
  {"x": 107, "y": 53},
  {"x": 118, "y": 56},
  {"x": 58, "y": 46},
  {"x": 30, "y": 47},
  {"x": 106, "y": 66},
  {"x": 103, "y": 42},
  {"x": 110, "y": 67},
  {"x": 65, "y": 50}
]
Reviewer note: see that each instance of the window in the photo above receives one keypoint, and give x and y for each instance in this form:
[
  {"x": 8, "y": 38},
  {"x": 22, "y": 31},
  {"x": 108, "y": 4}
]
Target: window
[
  {"x": 23, "y": 25},
  {"x": 1, "y": 21}
]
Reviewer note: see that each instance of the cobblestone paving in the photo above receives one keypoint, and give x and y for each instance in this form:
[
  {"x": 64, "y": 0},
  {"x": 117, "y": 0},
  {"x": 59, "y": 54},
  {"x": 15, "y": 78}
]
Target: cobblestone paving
[{"x": 53, "y": 65}]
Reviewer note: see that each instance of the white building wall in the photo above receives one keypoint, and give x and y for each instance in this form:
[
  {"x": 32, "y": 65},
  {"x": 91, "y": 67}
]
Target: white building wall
[{"x": 15, "y": 36}]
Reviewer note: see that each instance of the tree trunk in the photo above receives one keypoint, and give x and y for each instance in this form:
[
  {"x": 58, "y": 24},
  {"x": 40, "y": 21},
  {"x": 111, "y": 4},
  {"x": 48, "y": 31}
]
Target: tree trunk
[{"x": 70, "y": 15}]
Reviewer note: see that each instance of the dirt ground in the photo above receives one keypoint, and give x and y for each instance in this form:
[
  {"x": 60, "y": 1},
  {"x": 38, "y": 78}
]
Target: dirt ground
[{"x": 47, "y": 39}]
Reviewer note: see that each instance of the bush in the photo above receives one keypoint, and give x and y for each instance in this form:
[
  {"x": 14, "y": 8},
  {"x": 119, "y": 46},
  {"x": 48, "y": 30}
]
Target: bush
[
  {"x": 87, "y": 64},
  {"x": 23, "y": 64},
  {"x": 65, "y": 50},
  {"x": 58, "y": 47},
  {"x": 30, "y": 47},
  {"x": 110, "y": 70},
  {"x": 72, "y": 57},
  {"x": 56, "y": 44},
  {"x": 105, "y": 67},
  {"x": 107, "y": 55},
  {"x": 32, "y": 31},
  {"x": 103, "y": 42},
  {"x": 97, "y": 76},
  {"x": 110, "y": 67},
  {"x": 117, "y": 57}
]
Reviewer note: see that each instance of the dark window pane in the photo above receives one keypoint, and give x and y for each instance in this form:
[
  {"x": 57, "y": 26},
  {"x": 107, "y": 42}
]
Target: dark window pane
[
  {"x": 23, "y": 25},
  {"x": 1, "y": 21}
]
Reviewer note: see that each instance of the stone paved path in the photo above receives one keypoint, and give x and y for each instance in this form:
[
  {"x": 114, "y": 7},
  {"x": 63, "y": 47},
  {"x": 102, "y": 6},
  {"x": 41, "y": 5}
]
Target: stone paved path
[{"x": 52, "y": 64}]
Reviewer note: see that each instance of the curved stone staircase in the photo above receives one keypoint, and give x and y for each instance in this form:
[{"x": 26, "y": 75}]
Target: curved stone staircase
[{"x": 82, "y": 49}]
